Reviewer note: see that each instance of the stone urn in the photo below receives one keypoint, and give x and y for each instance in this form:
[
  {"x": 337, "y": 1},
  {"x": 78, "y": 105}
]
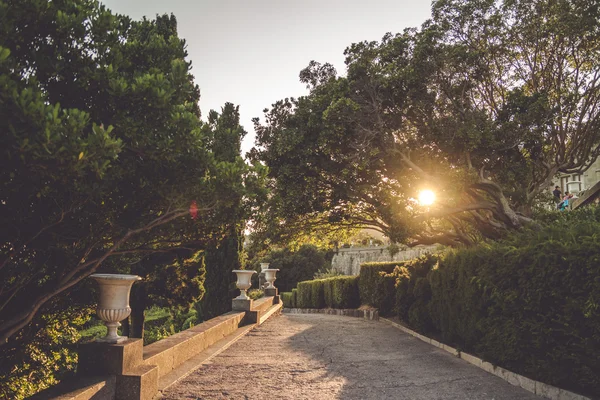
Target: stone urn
[
  {"x": 114, "y": 302},
  {"x": 264, "y": 266},
  {"x": 243, "y": 282},
  {"x": 270, "y": 277}
]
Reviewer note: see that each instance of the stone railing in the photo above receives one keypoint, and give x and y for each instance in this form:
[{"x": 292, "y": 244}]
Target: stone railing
[
  {"x": 348, "y": 260},
  {"x": 127, "y": 370}
]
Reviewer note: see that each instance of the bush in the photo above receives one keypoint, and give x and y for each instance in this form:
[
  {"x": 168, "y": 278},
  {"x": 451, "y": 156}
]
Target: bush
[
  {"x": 530, "y": 303},
  {"x": 336, "y": 292},
  {"x": 304, "y": 294},
  {"x": 344, "y": 291},
  {"x": 413, "y": 291},
  {"x": 327, "y": 273},
  {"x": 376, "y": 285},
  {"x": 256, "y": 294},
  {"x": 288, "y": 299},
  {"x": 295, "y": 266}
]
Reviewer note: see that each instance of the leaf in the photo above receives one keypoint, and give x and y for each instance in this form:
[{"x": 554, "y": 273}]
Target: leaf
[
  {"x": 4, "y": 53},
  {"x": 80, "y": 155}
]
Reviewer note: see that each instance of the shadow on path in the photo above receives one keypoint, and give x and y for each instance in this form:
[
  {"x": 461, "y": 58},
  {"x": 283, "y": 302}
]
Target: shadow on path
[{"x": 314, "y": 356}]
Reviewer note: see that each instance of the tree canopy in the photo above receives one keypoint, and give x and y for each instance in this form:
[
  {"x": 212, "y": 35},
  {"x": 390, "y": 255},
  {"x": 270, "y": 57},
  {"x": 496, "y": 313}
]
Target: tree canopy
[
  {"x": 103, "y": 150},
  {"x": 484, "y": 104}
]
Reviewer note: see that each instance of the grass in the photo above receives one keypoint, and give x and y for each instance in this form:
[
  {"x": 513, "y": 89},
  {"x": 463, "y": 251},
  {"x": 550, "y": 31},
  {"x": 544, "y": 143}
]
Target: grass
[{"x": 97, "y": 329}]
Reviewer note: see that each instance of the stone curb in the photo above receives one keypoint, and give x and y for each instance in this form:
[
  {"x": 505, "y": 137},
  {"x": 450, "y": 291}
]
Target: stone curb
[
  {"x": 371, "y": 315},
  {"x": 535, "y": 387}
]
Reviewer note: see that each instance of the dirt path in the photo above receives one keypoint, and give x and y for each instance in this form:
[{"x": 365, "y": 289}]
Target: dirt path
[{"x": 313, "y": 356}]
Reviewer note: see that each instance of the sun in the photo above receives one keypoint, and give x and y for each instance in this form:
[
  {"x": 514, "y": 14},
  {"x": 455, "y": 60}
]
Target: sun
[{"x": 426, "y": 197}]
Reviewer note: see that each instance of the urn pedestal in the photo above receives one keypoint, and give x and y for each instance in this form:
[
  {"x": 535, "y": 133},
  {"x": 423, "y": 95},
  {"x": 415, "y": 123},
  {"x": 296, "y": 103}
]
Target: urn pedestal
[{"x": 244, "y": 282}]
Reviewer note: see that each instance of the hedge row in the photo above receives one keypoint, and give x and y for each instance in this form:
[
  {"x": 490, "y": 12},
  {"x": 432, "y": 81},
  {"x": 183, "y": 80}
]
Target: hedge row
[
  {"x": 289, "y": 298},
  {"x": 336, "y": 292},
  {"x": 530, "y": 304},
  {"x": 376, "y": 285}
]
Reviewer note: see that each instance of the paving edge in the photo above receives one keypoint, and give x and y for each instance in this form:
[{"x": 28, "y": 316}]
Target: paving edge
[
  {"x": 535, "y": 387},
  {"x": 371, "y": 315}
]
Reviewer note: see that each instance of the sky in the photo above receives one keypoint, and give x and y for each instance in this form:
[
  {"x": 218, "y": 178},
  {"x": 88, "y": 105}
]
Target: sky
[{"x": 250, "y": 52}]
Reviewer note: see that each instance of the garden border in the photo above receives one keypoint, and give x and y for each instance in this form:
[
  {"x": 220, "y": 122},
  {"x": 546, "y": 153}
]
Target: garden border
[{"x": 535, "y": 387}]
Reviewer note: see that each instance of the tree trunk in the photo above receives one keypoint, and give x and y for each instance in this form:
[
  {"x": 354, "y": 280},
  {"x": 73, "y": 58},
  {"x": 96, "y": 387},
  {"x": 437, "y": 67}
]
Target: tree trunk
[{"x": 139, "y": 300}]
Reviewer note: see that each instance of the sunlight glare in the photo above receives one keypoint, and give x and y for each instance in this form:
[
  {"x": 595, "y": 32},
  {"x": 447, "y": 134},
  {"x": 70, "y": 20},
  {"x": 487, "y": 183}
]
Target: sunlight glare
[{"x": 426, "y": 198}]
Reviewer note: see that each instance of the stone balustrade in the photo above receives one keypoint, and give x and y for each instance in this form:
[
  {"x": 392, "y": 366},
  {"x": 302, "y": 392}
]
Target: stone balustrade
[{"x": 127, "y": 370}]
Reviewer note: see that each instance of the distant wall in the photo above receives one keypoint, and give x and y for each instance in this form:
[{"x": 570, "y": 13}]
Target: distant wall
[{"x": 348, "y": 261}]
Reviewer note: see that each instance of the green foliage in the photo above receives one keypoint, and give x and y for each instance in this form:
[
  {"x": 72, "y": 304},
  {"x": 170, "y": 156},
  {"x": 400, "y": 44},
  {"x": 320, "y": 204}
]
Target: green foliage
[
  {"x": 48, "y": 357},
  {"x": 255, "y": 294},
  {"x": 528, "y": 303},
  {"x": 288, "y": 299},
  {"x": 432, "y": 107},
  {"x": 101, "y": 154},
  {"x": 413, "y": 291},
  {"x": 336, "y": 292},
  {"x": 393, "y": 249},
  {"x": 328, "y": 273},
  {"x": 376, "y": 285},
  {"x": 221, "y": 260},
  {"x": 295, "y": 266}
]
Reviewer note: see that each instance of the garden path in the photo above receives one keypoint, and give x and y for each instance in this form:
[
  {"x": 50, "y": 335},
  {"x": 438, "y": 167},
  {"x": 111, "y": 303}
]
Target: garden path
[{"x": 315, "y": 356}]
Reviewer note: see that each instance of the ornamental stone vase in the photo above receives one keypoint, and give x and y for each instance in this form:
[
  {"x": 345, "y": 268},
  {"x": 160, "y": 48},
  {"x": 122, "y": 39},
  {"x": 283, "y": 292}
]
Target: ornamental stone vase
[
  {"x": 243, "y": 282},
  {"x": 264, "y": 266},
  {"x": 270, "y": 276},
  {"x": 114, "y": 302}
]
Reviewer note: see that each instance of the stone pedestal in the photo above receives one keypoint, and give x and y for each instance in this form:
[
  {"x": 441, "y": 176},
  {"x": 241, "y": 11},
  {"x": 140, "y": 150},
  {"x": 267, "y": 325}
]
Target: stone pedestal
[
  {"x": 109, "y": 359},
  {"x": 271, "y": 292},
  {"x": 241, "y": 304},
  {"x": 134, "y": 379},
  {"x": 141, "y": 383}
]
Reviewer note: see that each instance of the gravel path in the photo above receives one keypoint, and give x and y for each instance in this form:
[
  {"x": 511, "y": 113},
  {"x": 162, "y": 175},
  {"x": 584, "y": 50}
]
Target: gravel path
[{"x": 314, "y": 356}]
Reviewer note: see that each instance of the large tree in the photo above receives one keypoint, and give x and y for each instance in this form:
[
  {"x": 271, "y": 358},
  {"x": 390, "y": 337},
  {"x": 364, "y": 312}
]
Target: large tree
[
  {"x": 224, "y": 253},
  {"x": 484, "y": 104},
  {"x": 102, "y": 148}
]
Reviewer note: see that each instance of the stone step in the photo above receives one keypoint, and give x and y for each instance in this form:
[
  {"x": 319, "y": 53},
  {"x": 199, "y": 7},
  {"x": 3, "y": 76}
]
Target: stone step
[{"x": 274, "y": 309}]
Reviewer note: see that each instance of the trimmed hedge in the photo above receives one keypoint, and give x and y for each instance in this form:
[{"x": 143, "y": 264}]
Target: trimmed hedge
[
  {"x": 336, "y": 292},
  {"x": 530, "y": 303},
  {"x": 288, "y": 299},
  {"x": 376, "y": 285}
]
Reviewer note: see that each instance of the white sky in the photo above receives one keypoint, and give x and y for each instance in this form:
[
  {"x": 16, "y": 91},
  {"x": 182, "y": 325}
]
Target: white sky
[{"x": 250, "y": 52}]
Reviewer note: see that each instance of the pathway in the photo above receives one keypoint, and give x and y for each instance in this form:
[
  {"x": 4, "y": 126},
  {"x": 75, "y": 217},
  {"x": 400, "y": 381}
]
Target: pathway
[{"x": 315, "y": 356}]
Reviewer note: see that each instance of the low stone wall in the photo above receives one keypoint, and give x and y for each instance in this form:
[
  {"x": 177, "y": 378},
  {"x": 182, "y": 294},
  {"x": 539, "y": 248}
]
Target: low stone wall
[
  {"x": 347, "y": 261},
  {"x": 371, "y": 315},
  {"x": 128, "y": 370},
  {"x": 174, "y": 350}
]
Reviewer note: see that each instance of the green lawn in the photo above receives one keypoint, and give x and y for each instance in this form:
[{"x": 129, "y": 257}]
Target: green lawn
[{"x": 97, "y": 328}]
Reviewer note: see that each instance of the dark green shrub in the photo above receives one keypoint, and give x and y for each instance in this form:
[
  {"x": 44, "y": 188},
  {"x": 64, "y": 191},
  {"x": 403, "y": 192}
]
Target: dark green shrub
[
  {"x": 345, "y": 292},
  {"x": 530, "y": 303},
  {"x": 304, "y": 295},
  {"x": 295, "y": 266},
  {"x": 317, "y": 297},
  {"x": 295, "y": 297},
  {"x": 336, "y": 292},
  {"x": 288, "y": 299},
  {"x": 407, "y": 276},
  {"x": 376, "y": 285}
]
